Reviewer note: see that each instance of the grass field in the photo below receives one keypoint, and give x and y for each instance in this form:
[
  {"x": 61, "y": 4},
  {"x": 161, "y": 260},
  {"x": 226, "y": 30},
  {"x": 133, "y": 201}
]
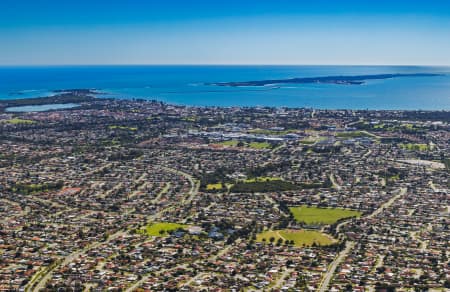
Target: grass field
[
  {"x": 312, "y": 139},
  {"x": 218, "y": 186},
  {"x": 415, "y": 147},
  {"x": 353, "y": 134},
  {"x": 211, "y": 187},
  {"x": 123, "y": 128},
  {"x": 189, "y": 119},
  {"x": 260, "y": 145},
  {"x": 300, "y": 237},
  {"x": 254, "y": 145},
  {"x": 314, "y": 215},
  {"x": 17, "y": 121},
  {"x": 260, "y": 179},
  {"x": 155, "y": 229},
  {"x": 232, "y": 143}
]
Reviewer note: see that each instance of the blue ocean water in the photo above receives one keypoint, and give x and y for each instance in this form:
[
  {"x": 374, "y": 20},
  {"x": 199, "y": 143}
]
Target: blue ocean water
[{"x": 186, "y": 85}]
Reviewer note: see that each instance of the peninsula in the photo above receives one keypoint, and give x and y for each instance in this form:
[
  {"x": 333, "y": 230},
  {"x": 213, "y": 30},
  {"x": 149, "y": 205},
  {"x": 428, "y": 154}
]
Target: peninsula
[{"x": 67, "y": 96}]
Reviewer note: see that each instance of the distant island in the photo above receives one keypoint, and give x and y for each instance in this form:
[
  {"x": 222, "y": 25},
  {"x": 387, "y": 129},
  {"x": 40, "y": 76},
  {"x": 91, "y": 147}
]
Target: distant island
[{"x": 342, "y": 80}]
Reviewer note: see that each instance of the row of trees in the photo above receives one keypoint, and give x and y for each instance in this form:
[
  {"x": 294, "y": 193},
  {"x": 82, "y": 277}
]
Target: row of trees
[
  {"x": 263, "y": 186},
  {"x": 26, "y": 189}
]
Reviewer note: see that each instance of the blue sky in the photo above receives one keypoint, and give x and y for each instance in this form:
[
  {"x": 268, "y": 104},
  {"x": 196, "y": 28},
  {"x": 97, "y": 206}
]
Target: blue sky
[{"x": 47, "y": 32}]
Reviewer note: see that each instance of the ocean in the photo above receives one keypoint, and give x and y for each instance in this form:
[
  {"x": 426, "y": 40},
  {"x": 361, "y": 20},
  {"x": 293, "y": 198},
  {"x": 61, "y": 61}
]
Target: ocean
[{"x": 185, "y": 85}]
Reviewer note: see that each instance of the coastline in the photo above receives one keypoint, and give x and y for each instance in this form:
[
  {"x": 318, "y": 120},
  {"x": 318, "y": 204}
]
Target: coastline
[
  {"x": 79, "y": 99},
  {"x": 185, "y": 85}
]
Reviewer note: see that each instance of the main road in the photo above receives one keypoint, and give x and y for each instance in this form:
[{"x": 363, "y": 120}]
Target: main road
[{"x": 323, "y": 287}]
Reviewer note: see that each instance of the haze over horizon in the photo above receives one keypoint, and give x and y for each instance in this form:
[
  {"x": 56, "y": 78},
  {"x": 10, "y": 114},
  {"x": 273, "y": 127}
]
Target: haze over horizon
[{"x": 203, "y": 33}]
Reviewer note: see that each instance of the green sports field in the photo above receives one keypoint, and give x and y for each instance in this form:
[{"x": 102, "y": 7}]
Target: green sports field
[
  {"x": 154, "y": 229},
  {"x": 17, "y": 121},
  {"x": 315, "y": 215},
  {"x": 300, "y": 237}
]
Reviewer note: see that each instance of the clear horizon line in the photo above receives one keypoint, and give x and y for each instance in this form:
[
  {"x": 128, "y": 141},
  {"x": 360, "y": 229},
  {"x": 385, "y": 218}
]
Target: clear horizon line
[{"x": 220, "y": 64}]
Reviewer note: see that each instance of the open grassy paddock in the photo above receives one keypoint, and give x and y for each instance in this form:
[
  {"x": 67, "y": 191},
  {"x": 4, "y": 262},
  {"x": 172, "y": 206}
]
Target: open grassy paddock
[
  {"x": 17, "y": 121},
  {"x": 300, "y": 237},
  {"x": 232, "y": 143},
  {"x": 155, "y": 229},
  {"x": 415, "y": 147},
  {"x": 260, "y": 145},
  {"x": 217, "y": 186},
  {"x": 315, "y": 215},
  {"x": 123, "y": 128},
  {"x": 253, "y": 145}
]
